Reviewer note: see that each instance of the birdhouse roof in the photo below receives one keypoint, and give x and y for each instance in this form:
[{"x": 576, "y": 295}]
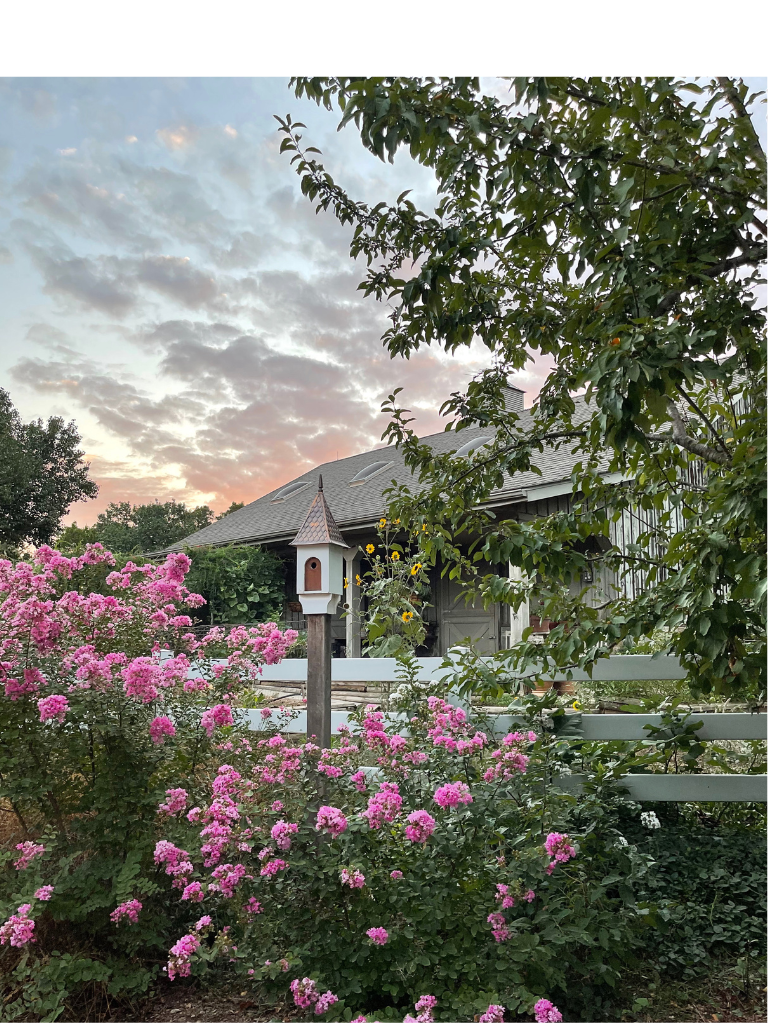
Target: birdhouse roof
[{"x": 319, "y": 527}]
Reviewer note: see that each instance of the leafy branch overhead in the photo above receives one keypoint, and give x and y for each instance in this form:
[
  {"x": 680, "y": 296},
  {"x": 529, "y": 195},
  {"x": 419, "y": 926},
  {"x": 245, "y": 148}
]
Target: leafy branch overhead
[{"x": 616, "y": 228}]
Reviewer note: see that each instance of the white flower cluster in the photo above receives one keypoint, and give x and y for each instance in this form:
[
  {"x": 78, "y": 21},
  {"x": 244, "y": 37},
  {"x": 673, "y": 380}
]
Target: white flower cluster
[{"x": 649, "y": 819}]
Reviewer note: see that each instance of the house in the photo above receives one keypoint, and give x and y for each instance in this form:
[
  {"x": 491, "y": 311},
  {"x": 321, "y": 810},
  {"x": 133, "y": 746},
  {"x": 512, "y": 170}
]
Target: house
[{"x": 354, "y": 490}]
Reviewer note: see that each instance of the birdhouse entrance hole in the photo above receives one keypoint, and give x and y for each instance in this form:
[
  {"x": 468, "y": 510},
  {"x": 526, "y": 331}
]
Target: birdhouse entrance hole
[{"x": 312, "y": 574}]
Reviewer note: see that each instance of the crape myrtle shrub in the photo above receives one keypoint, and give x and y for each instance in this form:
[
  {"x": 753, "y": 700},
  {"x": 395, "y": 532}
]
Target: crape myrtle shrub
[
  {"x": 392, "y": 869},
  {"x": 107, "y": 700}
]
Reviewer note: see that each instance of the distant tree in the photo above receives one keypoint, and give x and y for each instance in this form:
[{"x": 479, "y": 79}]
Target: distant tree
[
  {"x": 42, "y": 473},
  {"x": 240, "y": 584},
  {"x": 73, "y": 539},
  {"x": 232, "y": 508},
  {"x": 124, "y": 527}
]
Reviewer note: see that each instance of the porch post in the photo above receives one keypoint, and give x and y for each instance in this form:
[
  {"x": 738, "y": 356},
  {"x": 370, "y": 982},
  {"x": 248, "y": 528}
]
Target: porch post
[
  {"x": 352, "y": 565},
  {"x": 520, "y": 619}
]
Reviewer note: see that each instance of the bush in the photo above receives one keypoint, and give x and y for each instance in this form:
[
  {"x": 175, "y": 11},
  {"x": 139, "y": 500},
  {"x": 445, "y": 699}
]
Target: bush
[
  {"x": 239, "y": 584},
  {"x": 108, "y": 700}
]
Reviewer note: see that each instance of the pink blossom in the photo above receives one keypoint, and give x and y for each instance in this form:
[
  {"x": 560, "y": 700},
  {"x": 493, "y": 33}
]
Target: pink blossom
[
  {"x": 176, "y": 802},
  {"x": 220, "y": 714},
  {"x": 266, "y": 712},
  {"x": 19, "y": 929},
  {"x": 44, "y": 892},
  {"x": 141, "y": 679},
  {"x": 420, "y": 826},
  {"x": 29, "y": 851},
  {"x": 204, "y": 922},
  {"x": 396, "y": 874},
  {"x": 272, "y": 867},
  {"x": 493, "y": 1015},
  {"x": 530, "y": 896},
  {"x": 499, "y": 927},
  {"x": 161, "y": 727},
  {"x": 55, "y": 706},
  {"x": 384, "y": 805},
  {"x": 281, "y": 833},
  {"x": 354, "y": 879},
  {"x": 558, "y": 847},
  {"x": 362, "y": 1019},
  {"x": 179, "y": 964},
  {"x": 277, "y": 806},
  {"x": 502, "y": 893},
  {"x": 359, "y": 780},
  {"x": 546, "y": 1012},
  {"x": 452, "y": 794},
  {"x": 229, "y": 877},
  {"x": 193, "y": 892},
  {"x": 253, "y": 906},
  {"x": 330, "y": 819},
  {"x": 304, "y": 992},
  {"x": 378, "y": 936},
  {"x": 424, "y": 1007},
  {"x": 129, "y": 909},
  {"x": 325, "y": 1002}
]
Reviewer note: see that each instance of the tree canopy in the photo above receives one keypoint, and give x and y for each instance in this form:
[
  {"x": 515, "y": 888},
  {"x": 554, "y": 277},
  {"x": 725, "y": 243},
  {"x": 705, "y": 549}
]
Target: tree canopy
[
  {"x": 616, "y": 227},
  {"x": 146, "y": 528},
  {"x": 42, "y": 473}
]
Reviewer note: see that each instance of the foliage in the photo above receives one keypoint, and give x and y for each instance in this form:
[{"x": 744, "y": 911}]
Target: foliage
[
  {"x": 315, "y": 893},
  {"x": 239, "y": 583},
  {"x": 396, "y": 588},
  {"x": 613, "y": 226},
  {"x": 234, "y": 507},
  {"x": 136, "y": 529},
  {"x": 42, "y": 473},
  {"x": 107, "y": 700}
]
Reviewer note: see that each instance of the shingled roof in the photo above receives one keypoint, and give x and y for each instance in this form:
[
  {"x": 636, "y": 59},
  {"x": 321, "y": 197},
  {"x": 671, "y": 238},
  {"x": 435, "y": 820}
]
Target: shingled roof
[
  {"x": 319, "y": 527},
  {"x": 358, "y": 504}
]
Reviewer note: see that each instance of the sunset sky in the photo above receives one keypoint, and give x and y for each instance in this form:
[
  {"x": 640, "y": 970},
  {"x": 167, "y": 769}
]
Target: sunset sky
[{"x": 165, "y": 284}]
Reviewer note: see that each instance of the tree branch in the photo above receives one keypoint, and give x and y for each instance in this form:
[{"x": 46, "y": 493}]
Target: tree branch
[
  {"x": 722, "y": 267},
  {"x": 731, "y": 94},
  {"x": 679, "y": 437}
]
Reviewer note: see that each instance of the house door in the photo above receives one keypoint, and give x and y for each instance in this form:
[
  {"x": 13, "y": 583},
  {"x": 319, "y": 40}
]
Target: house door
[{"x": 460, "y": 621}]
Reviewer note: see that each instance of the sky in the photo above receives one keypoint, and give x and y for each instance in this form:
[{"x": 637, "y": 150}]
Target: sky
[{"x": 165, "y": 284}]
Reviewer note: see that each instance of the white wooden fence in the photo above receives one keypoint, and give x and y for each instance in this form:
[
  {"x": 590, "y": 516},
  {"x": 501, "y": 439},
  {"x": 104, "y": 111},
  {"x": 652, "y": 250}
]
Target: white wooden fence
[{"x": 633, "y": 667}]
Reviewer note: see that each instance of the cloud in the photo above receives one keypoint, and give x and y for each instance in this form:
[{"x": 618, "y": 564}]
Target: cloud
[{"x": 177, "y": 138}]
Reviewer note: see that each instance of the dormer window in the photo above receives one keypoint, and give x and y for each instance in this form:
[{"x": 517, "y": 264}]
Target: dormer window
[
  {"x": 471, "y": 446},
  {"x": 289, "y": 491},
  {"x": 368, "y": 473}
]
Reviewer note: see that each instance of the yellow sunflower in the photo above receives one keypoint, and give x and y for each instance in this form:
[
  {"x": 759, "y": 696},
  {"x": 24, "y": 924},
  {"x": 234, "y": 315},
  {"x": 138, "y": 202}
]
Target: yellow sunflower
[
  {"x": 407, "y": 616},
  {"x": 382, "y": 522},
  {"x": 415, "y": 568},
  {"x": 346, "y": 582},
  {"x": 369, "y": 548},
  {"x": 395, "y": 556},
  {"x": 358, "y": 581}
]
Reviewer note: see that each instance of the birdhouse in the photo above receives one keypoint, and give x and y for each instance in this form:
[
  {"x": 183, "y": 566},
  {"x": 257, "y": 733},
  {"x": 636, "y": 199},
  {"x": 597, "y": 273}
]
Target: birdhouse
[{"x": 320, "y": 550}]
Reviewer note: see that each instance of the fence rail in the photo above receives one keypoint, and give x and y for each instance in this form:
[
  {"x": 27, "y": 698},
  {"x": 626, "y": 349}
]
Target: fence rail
[{"x": 593, "y": 727}]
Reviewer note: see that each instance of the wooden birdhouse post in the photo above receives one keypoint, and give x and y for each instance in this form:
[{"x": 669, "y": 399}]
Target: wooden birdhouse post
[{"x": 320, "y": 550}]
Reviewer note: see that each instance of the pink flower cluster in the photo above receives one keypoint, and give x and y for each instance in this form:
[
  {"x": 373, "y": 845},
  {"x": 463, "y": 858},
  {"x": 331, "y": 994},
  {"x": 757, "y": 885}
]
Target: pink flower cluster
[
  {"x": 175, "y": 804},
  {"x": 335, "y": 761},
  {"x": 272, "y": 867},
  {"x": 502, "y": 893},
  {"x": 129, "y": 909},
  {"x": 305, "y": 994},
  {"x": 330, "y": 819},
  {"x": 253, "y": 906},
  {"x": 499, "y": 927},
  {"x": 228, "y": 877},
  {"x": 180, "y": 956},
  {"x": 452, "y": 794},
  {"x": 44, "y": 893},
  {"x": 383, "y": 806},
  {"x": 509, "y": 758},
  {"x": 396, "y": 875},
  {"x": 177, "y": 863},
  {"x": 19, "y": 929},
  {"x": 493, "y": 1015},
  {"x": 282, "y": 832},
  {"x": 378, "y": 936},
  {"x": 220, "y": 714},
  {"x": 559, "y": 849},
  {"x": 424, "y": 1007},
  {"x": 28, "y": 851},
  {"x": 451, "y": 730},
  {"x": 420, "y": 826},
  {"x": 161, "y": 727},
  {"x": 55, "y": 706},
  {"x": 546, "y": 1012},
  {"x": 354, "y": 879}
]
